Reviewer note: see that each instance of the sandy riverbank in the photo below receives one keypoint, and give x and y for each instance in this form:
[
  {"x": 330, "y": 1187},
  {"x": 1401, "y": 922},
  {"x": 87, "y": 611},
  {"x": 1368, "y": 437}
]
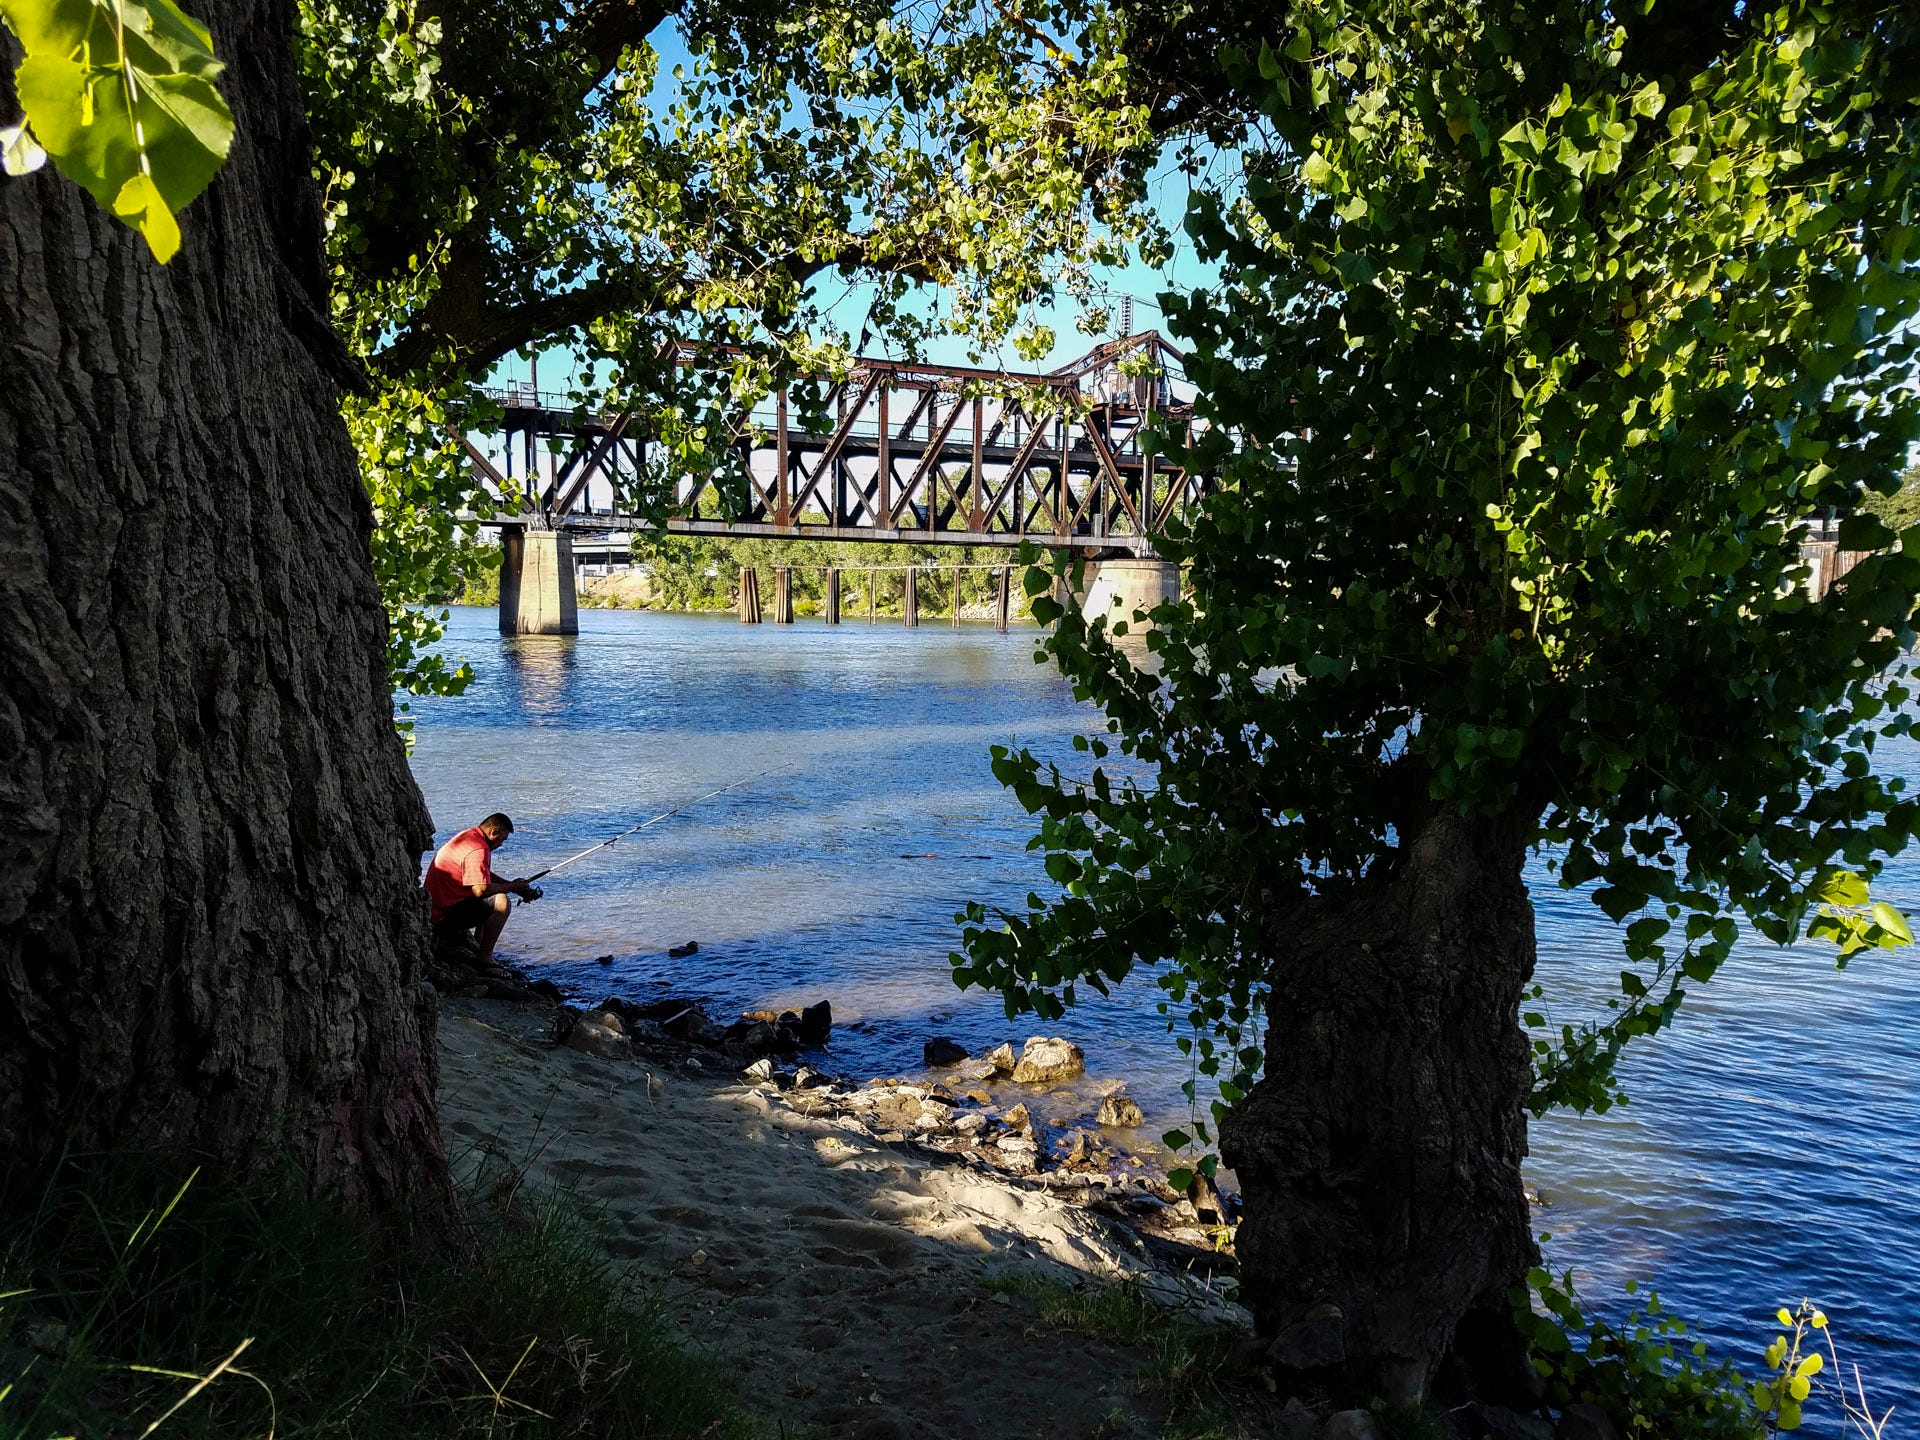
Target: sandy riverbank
[{"x": 844, "y": 1279}]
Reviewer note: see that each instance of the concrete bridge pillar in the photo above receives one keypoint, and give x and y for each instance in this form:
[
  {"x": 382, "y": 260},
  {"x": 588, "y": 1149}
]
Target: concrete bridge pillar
[
  {"x": 538, "y": 595},
  {"x": 1117, "y": 588}
]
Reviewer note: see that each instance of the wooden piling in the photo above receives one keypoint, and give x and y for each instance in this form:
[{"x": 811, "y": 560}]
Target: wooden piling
[
  {"x": 956, "y": 595},
  {"x": 1003, "y": 598},
  {"x": 832, "y": 602},
  {"x": 873, "y": 585},
  {"x": 782, "y": 595},
  {"x": 910, "y": 601},
  {"x": 749, "y": 596}
]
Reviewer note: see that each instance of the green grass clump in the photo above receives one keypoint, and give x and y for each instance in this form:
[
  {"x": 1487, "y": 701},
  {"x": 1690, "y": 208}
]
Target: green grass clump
[
  {"x": 125, "y": 1283},
  {"x": 1201, "y": 1373}
]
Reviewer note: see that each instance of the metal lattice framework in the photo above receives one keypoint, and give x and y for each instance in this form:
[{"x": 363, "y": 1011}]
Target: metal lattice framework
[{"x": 920, "y": 453}]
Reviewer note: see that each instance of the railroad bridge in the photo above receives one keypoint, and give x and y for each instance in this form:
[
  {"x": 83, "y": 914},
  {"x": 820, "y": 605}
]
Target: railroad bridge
[{"x": 925, "y": 454}]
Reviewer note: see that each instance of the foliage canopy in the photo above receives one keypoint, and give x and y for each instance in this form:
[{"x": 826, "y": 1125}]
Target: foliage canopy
[{"x": 1541, "y": 334}]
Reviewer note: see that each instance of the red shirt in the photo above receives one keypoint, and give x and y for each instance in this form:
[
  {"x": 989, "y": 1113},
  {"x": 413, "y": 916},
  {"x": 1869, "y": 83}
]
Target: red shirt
[{"x": 462, "y": 863}]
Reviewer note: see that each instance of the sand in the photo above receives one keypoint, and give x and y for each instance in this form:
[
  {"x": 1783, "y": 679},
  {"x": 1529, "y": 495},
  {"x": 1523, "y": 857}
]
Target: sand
[{"x": 840, "y": 1278}]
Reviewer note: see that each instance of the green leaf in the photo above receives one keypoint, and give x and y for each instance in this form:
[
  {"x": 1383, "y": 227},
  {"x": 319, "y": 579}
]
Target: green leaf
[
  {"x": 139, "y": 204},
  {"x": 1866, "y": 532},
  {"x": 138, "y": 123},
  {"x": 1316, "y": 171},
  {"x": 1892, "y": 921}
]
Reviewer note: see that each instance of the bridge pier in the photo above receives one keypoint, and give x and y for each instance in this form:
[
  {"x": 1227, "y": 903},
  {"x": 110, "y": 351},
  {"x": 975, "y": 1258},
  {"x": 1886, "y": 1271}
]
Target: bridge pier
[
  {"x": 1117, "y": 588},
  {"x": 831, "y": 608},
  {"x": 538, "y": 594}
]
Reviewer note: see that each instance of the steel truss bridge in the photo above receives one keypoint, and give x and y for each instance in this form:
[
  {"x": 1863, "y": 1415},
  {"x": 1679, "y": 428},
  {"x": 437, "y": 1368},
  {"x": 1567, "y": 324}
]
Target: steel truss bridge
[{"x": 918, "y": 453}]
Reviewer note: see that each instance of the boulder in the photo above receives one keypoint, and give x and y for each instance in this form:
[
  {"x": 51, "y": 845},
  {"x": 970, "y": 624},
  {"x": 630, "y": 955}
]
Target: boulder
[
  {"x": 808, "y": 1078},
  {"x": 1118, "y": 1110},
  {"x": 681, "y": 952},
  {"x": 972, "y": 1072},
  {"x": 591, "y": 1037},
  {"x": 1018, "y": 1120},
  {"x": 942, "y": 1051},
  {"x": 1001, "y": 1058},
  {"x": 764, "y": 1017},
  {"x": 978, "y": 1097},
  {"x": 971, "y": 1123},
  {"x": 761, "y": 1069},
  {"x": 1352, "y": 1425},
  {"x": 548, "y": 991},
  {"x": 1587, "y": 1422},
  {"x": 1044, "y": 1060},
  {"x": 816, "y": 1024}
]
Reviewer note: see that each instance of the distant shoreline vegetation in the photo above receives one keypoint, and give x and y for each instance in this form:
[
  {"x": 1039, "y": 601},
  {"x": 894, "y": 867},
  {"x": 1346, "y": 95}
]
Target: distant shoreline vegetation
[{"x": 695, "y": 574}]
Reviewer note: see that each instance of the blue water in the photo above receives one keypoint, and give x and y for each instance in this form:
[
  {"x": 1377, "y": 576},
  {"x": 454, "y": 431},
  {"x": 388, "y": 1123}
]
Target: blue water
[{"x": 1772, "y": 1149}]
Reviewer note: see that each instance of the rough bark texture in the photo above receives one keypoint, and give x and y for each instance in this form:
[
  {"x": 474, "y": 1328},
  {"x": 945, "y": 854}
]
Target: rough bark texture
[
  {"x": 210, "y": 933},
  {"x": 1380, "y": 1152}
]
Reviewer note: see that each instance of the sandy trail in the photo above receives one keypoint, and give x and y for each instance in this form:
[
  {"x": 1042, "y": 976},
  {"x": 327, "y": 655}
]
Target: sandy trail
[{"x": 841, "y": 1277}]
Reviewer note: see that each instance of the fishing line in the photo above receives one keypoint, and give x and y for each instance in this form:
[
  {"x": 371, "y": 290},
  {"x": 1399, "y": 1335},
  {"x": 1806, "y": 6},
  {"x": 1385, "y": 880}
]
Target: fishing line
[{"x": 655, "y": 820}]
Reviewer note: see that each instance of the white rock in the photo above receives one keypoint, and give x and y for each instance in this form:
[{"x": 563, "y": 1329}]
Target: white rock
[{"x": 1044, "y": 1059}]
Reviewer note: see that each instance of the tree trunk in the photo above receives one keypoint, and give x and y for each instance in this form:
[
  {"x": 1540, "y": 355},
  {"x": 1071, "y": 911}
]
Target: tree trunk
[
  {"x": 1379, "y": 1154},
  {"x": 211, "y": 938}
]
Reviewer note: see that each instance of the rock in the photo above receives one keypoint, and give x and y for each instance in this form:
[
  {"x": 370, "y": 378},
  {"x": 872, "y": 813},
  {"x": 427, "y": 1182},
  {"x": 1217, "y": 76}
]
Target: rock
[
  {"x": 1352, "y": 1425},
  {"x": 608, "y": 1016},
  {"x": 564, "y": 1019},
  {"x": 604, "y": 960},
  {"x": 658, "y": 1010},
  {"x": 970, "y": 1072},
  {"x": 808, "y": 1078},
  {"x": 1018, "y": 1153},
  {"x": 1314, "y": 1342},
  {"x": 942, "y": 1051},
  {"x": 761, "y": 1069},
  {"x": 1018, "y": 1120},
  {"x": 764, "y": 1017},
  {"x": 979, "y": 1097},
  {"x": 590, "y": 1037},
  {"x": 1119, "y": 1111},
  {"x": 1001, "y": 1059},
  {"x": 1044, "y": 1060},
  {"x": 549, "y": 991},
  {"x": 1076, "y": 1152},
  {"x": 816, "y": 1024},
  {"x": 49, "y": 1337},
  {"x": 1587, "y": 1422},
  {"x": 972, "y": 1123},
  {"x": 1208, "y": 1205},
  {"x": 680, "y": 952},
  {"x": 758, "y": 1038}
]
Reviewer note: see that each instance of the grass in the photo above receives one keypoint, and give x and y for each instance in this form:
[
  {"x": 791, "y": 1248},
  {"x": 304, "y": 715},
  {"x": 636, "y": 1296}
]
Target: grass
[
  {"x": 136, "y": 1299},
  {"x": 1202, "y": 1373}
]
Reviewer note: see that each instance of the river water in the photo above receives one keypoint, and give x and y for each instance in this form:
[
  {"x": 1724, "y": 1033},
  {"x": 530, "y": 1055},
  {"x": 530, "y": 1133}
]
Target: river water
[{"x": 1772, "y": 1149}]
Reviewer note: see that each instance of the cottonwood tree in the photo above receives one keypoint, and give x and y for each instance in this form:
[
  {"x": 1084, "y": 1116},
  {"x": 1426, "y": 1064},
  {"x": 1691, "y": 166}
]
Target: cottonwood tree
[
  {"x": 211, "y": 936},
  {"x": 1542, "y": 332}
]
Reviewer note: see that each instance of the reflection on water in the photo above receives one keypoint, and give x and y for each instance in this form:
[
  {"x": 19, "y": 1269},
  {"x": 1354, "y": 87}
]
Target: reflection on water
[{"x": 1772, "y": 1149}]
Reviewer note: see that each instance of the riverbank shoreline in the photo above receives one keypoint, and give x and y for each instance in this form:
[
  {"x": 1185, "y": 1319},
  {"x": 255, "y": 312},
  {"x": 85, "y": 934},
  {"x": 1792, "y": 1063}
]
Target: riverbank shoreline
[{"x": 859, "y": 1286}]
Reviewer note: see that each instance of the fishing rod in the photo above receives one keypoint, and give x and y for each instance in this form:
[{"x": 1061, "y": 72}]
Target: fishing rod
[{"x": 663, "y": 815}]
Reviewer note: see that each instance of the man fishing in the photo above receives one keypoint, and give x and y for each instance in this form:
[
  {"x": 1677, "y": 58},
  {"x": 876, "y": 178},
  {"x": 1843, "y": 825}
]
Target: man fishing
[{"x": 461, "y": 886}]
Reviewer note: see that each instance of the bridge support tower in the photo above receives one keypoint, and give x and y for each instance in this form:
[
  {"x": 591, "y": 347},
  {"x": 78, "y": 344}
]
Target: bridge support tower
[
  {"x": 1117, "y": 588},
  {"x": 538, "y": 594}
]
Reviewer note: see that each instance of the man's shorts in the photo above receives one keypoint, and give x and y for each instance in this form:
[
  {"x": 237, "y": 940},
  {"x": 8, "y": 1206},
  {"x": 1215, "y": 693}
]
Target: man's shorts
[{"x": 469, "y": 914}]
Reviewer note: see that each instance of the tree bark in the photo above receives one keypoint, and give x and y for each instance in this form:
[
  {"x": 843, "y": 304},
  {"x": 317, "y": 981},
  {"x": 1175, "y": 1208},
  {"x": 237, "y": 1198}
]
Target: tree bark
[
  {"x": 1379, "y": 1154},
  {"x": 211, "y": 939}
]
